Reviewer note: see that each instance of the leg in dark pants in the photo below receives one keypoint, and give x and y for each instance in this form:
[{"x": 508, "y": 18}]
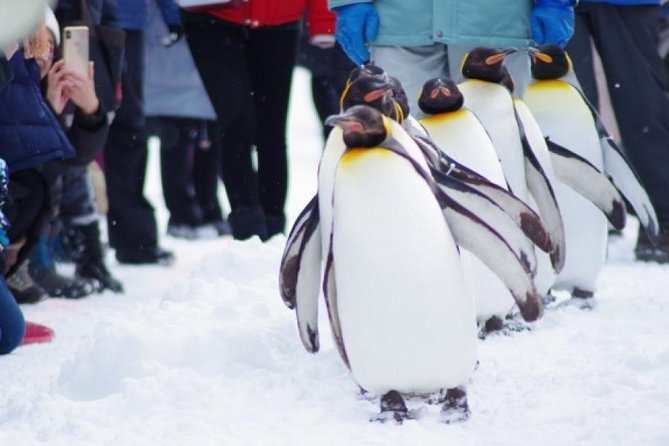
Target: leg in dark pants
[
  {"x": 177, "y": 149},
  {"x": 12, "y": 324},
  {"x": 247, "y": 75},
  {"x": 131, "y": 222},
  {"x": 206, "y": 159},
  {"x": 27, "y": 209},
  {"x": 272, "y": 52},
  {"x": 626, "y": 39}
]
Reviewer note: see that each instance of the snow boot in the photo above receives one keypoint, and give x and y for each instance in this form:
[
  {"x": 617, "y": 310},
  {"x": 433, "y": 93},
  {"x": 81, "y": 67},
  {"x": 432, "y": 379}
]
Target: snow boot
[
  {"x": 23, "y": 287},
  {"x": 83, "y": 244},
  {"x": 43, "y": 271}
]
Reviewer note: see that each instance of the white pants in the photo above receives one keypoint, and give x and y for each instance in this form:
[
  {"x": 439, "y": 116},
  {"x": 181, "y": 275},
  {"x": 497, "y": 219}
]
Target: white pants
[{"x": 415, "y": 65}]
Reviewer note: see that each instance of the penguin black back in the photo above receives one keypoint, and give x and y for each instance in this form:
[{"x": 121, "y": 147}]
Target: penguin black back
[
  {"x": 549, "y": 62},
  {"x": 363, "y": 126},
  {"x": 440, "y": 95}
]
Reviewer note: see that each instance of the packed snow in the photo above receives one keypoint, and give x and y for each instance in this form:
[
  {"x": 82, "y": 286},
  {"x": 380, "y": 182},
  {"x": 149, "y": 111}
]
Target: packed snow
[{"x": 206, "y": 353}]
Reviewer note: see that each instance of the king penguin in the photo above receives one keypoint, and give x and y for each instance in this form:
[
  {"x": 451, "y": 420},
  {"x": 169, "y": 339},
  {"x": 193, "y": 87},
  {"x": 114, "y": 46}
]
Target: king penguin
[
  {"x": 576, "y": 136},
  {"x": 459, "y": 133},
  {"x": 407, "y": 322},
  {"x": 488, "y": 93}
]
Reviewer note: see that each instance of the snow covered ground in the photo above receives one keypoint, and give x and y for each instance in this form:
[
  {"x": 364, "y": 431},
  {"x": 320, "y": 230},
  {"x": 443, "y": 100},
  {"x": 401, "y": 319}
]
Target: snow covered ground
[{"x": 205, "y": 353}]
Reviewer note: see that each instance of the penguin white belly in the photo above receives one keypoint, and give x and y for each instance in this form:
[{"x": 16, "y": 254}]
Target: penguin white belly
[
  {"x": 461, "y": 135},
  {"x": 493, "y": 106},
  {"x": 407, "y": 321},
  {"x": 565, "y": 119}
]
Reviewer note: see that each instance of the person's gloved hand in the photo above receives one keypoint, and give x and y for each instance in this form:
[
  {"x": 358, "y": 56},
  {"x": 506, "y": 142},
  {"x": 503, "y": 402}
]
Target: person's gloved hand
[
  {"x": 552, "y": 22},
  {"x": 175, "y": 34},
  {"x": 4, "y": 239},
  {"x": 357, "y": 24}
]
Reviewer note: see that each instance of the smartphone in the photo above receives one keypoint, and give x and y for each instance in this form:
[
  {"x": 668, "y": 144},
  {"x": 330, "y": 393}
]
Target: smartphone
[{"x": 75, "y": 48}]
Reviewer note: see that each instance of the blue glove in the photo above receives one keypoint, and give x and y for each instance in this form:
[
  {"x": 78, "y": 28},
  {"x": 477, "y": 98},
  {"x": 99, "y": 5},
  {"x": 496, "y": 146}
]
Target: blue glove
[
  {"x": 357, "y": 24},
  {"x": 4, "y": 239},
  {"x": 552, "y": 22}
]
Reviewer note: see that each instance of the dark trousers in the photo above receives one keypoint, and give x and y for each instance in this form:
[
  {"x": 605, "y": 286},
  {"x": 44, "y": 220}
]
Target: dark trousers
[
  {"x": 247, "y": 74},
  {"x": 626, "y": 39},
  {"x": 131, "y": 221},
  {"x": 27, "y": 209},
  {"x": 189, "y": 165}
]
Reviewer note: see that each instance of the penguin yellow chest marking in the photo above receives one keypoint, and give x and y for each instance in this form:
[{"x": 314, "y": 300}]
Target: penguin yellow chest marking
[
  {"x": 355, "y": 154},
  {"x": 444, "y": 117}
]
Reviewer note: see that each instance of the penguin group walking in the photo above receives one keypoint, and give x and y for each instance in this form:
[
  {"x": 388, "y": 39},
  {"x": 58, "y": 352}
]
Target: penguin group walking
[{"x": 426, "y": 234}]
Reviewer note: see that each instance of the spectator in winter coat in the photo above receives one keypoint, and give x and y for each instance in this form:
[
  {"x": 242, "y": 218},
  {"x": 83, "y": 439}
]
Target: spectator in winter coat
[
  {"x": 625, "y": 35},
  {"x": 131, "y": 221},
  {"x": 12, "y": 323},
  {"x": 184, "y": 120},
  {"x": 30, "y": 135},
  {"x": 245, "y": 54},
  {"x": 72, "y": 203},
  {"x": 418, "y": 40}
]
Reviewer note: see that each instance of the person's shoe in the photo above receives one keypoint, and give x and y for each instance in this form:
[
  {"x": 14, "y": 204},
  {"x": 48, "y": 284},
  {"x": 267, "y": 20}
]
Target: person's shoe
[
  {"x": 247, "y": 222},
  {"x": 98, "y": 273},
  {"x": 24, "y": 288},
  {"x": 57, "y": 285},
  {"x": 222, "y": 227},
  {"x": 83, "y": 242},
  {"x": 183, "y": 231},
  {"x": 276, "y": 224},
  {"x": 648, "y": 252},
  {"x": 147, "y": 256}
]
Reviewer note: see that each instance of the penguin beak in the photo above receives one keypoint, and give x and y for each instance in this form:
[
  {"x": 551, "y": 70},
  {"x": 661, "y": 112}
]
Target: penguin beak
[
  {"x": 346, "y": 122},
  {"x": 535, "y": 53},
  {"x": 499, "y": 57}
]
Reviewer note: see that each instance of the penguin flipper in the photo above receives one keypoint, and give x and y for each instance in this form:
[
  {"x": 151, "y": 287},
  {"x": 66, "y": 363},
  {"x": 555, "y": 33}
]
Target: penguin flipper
[
  {"x": 627, "y": 181},
  {"x": 542, "y": 191},
  {"x": 475, "y": 235},
  {"x": 487, "y": 210},
  {"x": 524, "y": 216},
  {"x": 580, "y": 175},
  {"x": 299, "y": 277},
  {"x": 624, "y": 177},
  {"x": 330, "y": 293}
]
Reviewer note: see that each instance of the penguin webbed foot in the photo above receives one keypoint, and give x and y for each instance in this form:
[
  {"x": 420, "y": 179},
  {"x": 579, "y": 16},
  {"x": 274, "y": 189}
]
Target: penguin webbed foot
[
  {"x": 393, "y": 409},
  {"x": 455, "y": 408},
  {"x": 581, "y": 299},
  {"x": 506, "y": 327}
]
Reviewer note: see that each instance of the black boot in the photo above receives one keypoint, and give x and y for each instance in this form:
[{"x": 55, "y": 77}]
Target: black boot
[
  {"x": 83, "y": 243},
  {"x": 43, "y": 271}
]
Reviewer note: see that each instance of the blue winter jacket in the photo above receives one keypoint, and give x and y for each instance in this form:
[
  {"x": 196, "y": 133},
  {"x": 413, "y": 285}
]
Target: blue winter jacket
[
  {"x": 452, "y": 22},
  {"x": 30, "y": 134},
  {"x": 134, "y": 17},
  {"x": 624, "y": 2}
]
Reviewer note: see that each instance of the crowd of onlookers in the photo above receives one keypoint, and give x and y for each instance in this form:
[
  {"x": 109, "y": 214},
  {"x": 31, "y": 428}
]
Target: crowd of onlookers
[{"x": 75, "y": 144}]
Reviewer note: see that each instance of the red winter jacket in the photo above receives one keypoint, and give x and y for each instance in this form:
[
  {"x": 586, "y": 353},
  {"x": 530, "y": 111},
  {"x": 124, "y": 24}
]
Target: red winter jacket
[{"x": 257, "y": 13}]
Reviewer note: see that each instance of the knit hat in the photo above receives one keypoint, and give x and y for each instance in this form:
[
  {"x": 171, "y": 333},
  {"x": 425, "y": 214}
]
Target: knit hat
[{"x": 52, "y": 24}]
